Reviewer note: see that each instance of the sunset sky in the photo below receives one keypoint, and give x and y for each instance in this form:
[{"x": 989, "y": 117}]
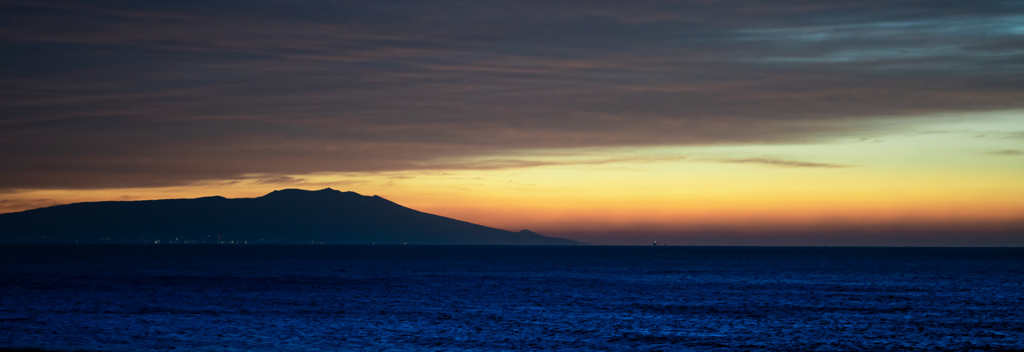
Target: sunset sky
[{"x": 610, "y": 122}]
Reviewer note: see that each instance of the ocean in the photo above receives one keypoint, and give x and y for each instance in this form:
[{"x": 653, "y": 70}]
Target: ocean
[{"x": 483, "y": 298}]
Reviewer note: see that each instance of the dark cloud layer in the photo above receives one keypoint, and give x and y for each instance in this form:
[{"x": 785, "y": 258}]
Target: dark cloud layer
[{"x": 100, "y": 94}]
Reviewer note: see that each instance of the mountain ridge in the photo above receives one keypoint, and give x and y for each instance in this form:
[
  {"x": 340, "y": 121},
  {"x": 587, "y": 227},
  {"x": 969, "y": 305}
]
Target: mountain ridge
[{"x": 288, "y": 216}]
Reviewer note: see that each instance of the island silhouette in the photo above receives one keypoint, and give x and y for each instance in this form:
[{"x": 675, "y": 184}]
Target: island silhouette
[{"x": 290, "y": 216}]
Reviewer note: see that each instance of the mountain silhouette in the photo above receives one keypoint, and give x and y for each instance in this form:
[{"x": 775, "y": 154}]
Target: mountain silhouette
[{"x": 290, "y": 216}]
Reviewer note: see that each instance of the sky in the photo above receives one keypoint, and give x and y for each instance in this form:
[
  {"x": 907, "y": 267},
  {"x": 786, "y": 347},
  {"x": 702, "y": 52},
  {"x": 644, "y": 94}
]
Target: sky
[{"x": 831, "y": 123}]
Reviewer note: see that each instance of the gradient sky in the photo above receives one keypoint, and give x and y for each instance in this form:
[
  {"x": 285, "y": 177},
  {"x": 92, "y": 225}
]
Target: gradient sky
[{"x": 689, "y": 122}]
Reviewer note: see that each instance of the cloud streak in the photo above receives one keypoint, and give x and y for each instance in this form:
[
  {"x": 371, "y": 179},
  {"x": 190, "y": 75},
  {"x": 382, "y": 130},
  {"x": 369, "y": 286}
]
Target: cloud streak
[
  {"x": 783, "y": 163},
  {"x": 1008, "y": 152}
]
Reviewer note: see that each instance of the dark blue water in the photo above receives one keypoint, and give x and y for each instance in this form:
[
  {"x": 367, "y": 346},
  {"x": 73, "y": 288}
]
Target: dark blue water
[{"x": 304, "y": 298}]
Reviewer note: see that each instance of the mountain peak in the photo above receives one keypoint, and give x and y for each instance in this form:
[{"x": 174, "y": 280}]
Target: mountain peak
[
  {"x": 287, "y": 216},
  {"x": 296, "y": 193}
]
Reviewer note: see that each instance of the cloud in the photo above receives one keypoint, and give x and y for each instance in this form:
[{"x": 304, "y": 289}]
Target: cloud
[
  {"x": 506, "y": 163},
  {"x": 274, "y": 179},
  {"x": 782, "y": 163},
  {"x": 1008, "y": 152},
  {"x": 143, "y": 94}
]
